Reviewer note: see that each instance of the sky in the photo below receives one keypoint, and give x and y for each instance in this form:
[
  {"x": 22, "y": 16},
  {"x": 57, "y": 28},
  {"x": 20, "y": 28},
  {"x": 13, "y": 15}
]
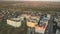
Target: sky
[{"x": 31, "y": 0}]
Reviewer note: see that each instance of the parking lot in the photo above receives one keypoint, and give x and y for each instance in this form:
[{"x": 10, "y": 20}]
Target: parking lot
[{"x": 8, "y": 29}]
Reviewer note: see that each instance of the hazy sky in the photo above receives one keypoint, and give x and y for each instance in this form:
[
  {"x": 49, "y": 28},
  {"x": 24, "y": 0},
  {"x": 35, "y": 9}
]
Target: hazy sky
[{"x": 30, "y": 0}]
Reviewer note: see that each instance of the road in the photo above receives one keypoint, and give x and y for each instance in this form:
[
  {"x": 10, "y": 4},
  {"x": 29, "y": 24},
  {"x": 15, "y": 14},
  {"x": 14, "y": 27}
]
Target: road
[{"x": 49, "y": 29}]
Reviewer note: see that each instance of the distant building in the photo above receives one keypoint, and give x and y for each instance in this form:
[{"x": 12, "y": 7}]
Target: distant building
[{"x": 15, "y": 22}]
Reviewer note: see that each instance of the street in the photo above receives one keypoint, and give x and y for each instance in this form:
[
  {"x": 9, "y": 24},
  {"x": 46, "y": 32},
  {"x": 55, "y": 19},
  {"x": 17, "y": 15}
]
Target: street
[{"x": 57, "y": 31}]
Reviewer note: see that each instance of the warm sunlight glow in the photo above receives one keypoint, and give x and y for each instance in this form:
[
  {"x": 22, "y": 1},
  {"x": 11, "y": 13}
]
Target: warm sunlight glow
[{"x": 40, "y": 0}]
